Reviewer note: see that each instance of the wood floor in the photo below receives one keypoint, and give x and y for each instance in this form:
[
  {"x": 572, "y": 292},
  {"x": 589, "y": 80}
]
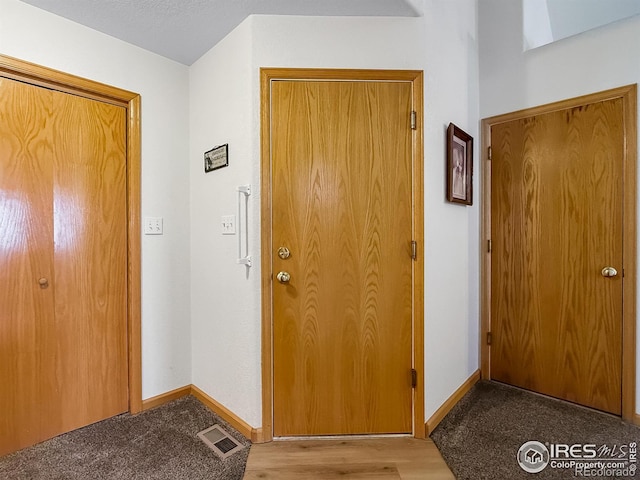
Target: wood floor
[{"x": 377, "y": 458}]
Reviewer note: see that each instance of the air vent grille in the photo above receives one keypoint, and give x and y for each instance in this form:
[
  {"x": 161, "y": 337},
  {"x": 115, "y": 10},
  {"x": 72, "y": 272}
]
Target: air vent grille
[{"x": 218, "y": 440}]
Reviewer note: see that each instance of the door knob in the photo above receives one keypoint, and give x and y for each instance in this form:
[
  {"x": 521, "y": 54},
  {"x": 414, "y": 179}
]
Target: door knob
[
  {"x": 283, "y": 277},
  {"x": 609, "y": 272},
  {"x": 43, "y": 282},
  {"x": 284, "y": 253}
]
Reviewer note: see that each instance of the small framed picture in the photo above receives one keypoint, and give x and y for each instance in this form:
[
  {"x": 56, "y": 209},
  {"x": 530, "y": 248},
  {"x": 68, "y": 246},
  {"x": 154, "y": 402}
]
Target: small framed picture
[
  {"x": 216, "y": 158},
  {"x": 459, "y": 166}
]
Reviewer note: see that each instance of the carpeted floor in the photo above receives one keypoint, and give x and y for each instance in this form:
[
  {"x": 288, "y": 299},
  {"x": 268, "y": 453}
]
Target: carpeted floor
[
  {"x": 159, "y": 444},
  {"x": 479, "y": 439},
  {"x": 481, "y": 436}
]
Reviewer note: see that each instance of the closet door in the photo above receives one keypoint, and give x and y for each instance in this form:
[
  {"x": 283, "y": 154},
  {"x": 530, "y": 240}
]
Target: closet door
[
  {"x": 90, "y": 260},
  {"x": 557, "y": 210},
  {"x": 63, "y": 344},
  {"x": 26, "y": 258}
]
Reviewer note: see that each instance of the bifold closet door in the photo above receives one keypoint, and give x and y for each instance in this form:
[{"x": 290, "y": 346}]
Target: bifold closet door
[{"x": 63, "y": 263}]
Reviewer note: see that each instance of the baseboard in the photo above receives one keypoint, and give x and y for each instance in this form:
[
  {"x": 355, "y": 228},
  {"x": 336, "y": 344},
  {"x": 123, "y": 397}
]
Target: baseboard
[
  {"x": 257, "y": 436},
  {"x": 166, "y": 397},
  {"x": 254, "y": 434},
  {"x": 446, "y": 407}
]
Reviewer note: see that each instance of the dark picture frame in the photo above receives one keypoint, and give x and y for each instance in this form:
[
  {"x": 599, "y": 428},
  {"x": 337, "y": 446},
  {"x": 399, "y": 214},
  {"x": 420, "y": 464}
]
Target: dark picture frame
[
  {"x": 459, "y": 166},
  {"x": 216, "y": 158}
]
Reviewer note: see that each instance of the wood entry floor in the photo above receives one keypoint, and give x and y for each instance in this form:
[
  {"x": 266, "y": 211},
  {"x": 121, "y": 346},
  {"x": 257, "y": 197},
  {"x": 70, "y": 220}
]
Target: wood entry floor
[{"x": 402, "y": 458}]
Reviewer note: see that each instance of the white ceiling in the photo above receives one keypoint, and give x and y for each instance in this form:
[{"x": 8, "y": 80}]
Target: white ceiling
[{"x": 184, "y": 30}]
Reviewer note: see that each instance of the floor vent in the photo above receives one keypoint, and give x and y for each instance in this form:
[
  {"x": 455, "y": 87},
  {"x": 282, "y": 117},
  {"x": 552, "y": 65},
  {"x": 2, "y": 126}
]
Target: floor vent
[{"x": 218, "y": 440}]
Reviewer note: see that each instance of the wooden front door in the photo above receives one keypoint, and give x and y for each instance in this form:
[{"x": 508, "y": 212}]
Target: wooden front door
[
  {"x": 556, "y": 225},
  {"x": 63, "y": 263},
  {"x": 342, "y": 206}
]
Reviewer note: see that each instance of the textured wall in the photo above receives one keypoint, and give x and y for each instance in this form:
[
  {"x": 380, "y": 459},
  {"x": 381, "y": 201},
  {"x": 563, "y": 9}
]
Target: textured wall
[{"x": 225, "y": 296}]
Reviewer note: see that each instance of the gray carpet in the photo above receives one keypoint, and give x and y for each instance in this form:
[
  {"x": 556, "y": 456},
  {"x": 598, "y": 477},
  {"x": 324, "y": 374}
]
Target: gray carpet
[
  {"x": 159, "y": 444},
  {"x": 480, "y": 437}
]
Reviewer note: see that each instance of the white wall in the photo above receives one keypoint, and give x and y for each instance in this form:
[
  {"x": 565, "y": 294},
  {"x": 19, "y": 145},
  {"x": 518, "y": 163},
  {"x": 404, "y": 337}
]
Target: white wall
[
  {"x": 590, "y": 62},
  {"x": 511, "y": 79},
  {"x": 225, "y": 107},
  {"x": 452, "y": 269},
  {"x": 225, "y": 296},
  {"x": 34, "y": 35}
]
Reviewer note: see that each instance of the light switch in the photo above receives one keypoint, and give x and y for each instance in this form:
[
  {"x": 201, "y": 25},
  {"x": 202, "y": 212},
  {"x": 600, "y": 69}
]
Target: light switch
[
  {"x": 153, "y": 225},
  {"x": 228, "y": 224}
]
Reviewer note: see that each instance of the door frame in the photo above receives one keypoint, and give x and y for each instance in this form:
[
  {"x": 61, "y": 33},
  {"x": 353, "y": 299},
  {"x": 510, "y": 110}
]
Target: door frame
[
  {"x": 33, "y": 74},
  {"x": 628, "y": 95},
  {"x": 416, "y": 79}
]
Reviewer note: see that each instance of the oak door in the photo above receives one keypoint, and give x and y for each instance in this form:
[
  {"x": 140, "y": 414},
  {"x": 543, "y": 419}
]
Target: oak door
[
  {"x": 556, "y": 214},
  {"x": 341, "y": 193},
  {"x": 63, "y": 263}
]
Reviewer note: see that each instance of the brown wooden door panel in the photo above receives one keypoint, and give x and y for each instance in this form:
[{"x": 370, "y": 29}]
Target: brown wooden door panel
[
  {"x": 26, "y": 255},
  {"x": 63, "y": 361},
  {"x": 341, "y": 156},
  {"x": 90, "y": 259},
  {"x": 556, "y": 222}
]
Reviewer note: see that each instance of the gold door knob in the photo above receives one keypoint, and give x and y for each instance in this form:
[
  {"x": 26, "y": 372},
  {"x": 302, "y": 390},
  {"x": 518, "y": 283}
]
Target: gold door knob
[
  {"x": 43, "y": 282},
  {"x": 609, "y": 272},
  {"x": 284, "y": 253},
  {"x": 283, "y": 277}
]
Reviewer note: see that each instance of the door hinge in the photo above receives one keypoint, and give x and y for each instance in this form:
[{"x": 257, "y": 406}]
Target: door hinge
[
  {"x": 490, "y": 153},
  {"x": 414, "y": 378},
  {"x": 489, "y": 338},
  {"x": 489, "y": 246},
  {"x": 414, "y": 250},
  {"x": 414, "y": 120}
]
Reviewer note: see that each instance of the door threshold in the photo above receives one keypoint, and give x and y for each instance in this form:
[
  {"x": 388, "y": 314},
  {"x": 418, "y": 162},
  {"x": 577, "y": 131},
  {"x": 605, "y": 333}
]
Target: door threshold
[{"x": 344, "y": 437}]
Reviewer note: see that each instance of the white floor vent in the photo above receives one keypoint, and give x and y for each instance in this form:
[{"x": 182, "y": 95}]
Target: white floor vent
[{"x": 218, "y": 440}]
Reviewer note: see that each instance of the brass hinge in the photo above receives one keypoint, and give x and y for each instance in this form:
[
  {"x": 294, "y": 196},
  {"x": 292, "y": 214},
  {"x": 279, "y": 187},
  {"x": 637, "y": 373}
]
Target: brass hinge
[
  {"x": 489, "y": 246},
  {"x": 414, "y": 120},
  {"x": 414, "y": 378},
  {"x": 489, "y": 338},
  {"x": 414, "y": 250},
  {"x": 490, "y": 154}
]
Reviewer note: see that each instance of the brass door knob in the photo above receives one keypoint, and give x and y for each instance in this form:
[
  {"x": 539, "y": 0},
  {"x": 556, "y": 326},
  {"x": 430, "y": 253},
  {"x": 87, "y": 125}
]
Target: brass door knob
[
  {"x": 284, "y": 253},
  {"x": 43, "y": 282},
  {"x": 283, "y": 277},
  {"x": 609, "y": 272}
]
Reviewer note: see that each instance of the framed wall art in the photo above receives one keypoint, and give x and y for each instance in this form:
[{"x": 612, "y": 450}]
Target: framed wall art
[
  {"x": 216, "y": 158},
  {"x": 459, "y": 166}
]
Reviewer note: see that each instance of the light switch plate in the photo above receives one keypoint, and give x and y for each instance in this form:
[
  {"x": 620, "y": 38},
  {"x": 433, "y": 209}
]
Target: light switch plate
[
  {"x": 228, "y": 224},
  {"x": 153, "y": 226}
]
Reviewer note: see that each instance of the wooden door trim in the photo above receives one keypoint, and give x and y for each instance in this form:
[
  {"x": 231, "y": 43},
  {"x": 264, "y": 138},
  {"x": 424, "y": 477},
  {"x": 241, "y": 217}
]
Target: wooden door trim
[
  {"x": 628, "y": 95},
  {"x": 416, "y": 78},
  {"x": 33, "y": 74}
]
